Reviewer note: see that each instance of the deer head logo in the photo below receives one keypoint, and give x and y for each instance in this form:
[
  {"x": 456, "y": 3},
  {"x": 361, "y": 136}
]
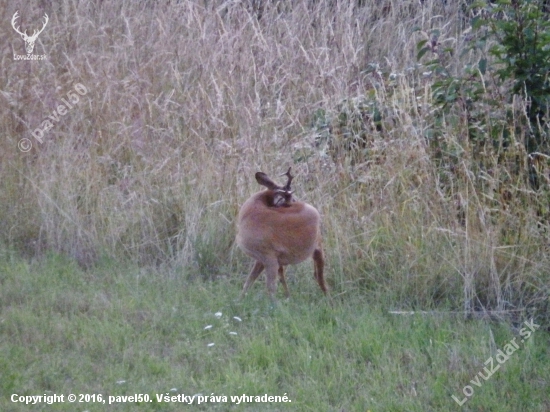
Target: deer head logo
[{"x": 29, "y": 40}]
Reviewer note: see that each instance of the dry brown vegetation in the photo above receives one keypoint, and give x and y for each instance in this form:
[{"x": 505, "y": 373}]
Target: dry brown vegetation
[{"x": 187, "y": 100}]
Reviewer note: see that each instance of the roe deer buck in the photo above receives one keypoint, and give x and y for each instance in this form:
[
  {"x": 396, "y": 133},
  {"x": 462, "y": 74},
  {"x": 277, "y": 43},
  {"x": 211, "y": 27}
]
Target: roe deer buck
[{"x": 277, "y": 230}]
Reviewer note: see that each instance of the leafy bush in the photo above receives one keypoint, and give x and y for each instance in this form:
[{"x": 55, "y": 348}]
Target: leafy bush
[
  {"x": 522, "y": 55},
  {"x": 345, "y": 132},
  {"x": 500, "y": 98},
  {"x": 509, "y": 53}
]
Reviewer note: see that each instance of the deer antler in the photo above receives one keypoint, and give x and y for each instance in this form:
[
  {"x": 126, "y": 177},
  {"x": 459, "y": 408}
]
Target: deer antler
[
  {"x": 29, "y": 40},
  {"x": 15, "y": 16},
  {"x": 286, "y": 192},
  {"x": 46, "y": 20},
  {"x": 282, "y": 195},
  {"x": 290, "y": 177}
]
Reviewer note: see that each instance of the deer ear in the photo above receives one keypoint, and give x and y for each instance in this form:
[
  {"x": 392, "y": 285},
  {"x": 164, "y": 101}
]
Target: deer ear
[{"x": 263, "y": 180}]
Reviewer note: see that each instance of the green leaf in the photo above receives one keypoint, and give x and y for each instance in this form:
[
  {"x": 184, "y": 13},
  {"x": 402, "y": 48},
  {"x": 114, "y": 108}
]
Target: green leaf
[
  {"x": 421, "y": 44},
  {"x": 477, "y": 22},
  {"x": 482, "y": 65},
  {"x": 449, "y": 50},
  {"x": 477, "y": 4},
  {"x": 422, "y": 53}
]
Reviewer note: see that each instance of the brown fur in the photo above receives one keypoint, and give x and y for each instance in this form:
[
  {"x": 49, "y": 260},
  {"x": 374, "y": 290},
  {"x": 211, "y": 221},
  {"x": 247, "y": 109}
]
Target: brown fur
[{"x": 276, "y": 236}]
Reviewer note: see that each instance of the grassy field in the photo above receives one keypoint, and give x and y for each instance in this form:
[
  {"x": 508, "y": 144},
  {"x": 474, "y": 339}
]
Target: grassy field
[
  {"x": 126, "y": 154},
  {"x": 120, "y": 331}
]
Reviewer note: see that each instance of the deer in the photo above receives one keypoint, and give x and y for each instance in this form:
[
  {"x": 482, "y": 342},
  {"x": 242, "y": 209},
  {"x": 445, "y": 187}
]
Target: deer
[
  {"x": 277, "y": 230},
  {"x": 29, "y": 40}
]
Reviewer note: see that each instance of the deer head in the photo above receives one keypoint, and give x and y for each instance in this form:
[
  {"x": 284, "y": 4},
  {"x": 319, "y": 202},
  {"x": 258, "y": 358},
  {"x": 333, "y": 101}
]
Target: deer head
[
  {"x": 282, "y": 195},
  {"x": 276, "y": 230},
  {"x": 29, "y": 40}
]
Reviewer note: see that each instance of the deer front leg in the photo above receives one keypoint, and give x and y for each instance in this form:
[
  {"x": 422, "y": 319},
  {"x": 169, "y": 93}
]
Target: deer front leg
[
  {"x": 254, "y": 273},
  {"x": 319, "y": 264},
  {"x": 271, "y": 270},
  {"x": 283, "y": 280}
]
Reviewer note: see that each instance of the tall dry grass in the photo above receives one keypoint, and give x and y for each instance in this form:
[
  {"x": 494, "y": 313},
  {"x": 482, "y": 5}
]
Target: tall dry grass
[{"x": 187, "y": 99}]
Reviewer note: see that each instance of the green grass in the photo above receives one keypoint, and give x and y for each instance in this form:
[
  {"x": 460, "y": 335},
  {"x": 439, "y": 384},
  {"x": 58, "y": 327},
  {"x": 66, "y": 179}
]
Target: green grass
[
  {"x": 186, "y": 100},
  {"x": 120, "y": 330}
]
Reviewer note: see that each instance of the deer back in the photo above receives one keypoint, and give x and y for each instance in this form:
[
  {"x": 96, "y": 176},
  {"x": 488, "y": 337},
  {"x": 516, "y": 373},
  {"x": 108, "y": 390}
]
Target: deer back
[{"x": 289, "y": 233}]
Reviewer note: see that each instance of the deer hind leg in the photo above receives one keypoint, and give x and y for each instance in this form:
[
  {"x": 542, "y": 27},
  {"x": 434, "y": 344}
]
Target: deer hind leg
[
  {"x": 254, "y": 273},
  {"x": 283, "y": 280},
  {"x": 319, "y": 265},
  {"x": 271, "y": 270}
]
